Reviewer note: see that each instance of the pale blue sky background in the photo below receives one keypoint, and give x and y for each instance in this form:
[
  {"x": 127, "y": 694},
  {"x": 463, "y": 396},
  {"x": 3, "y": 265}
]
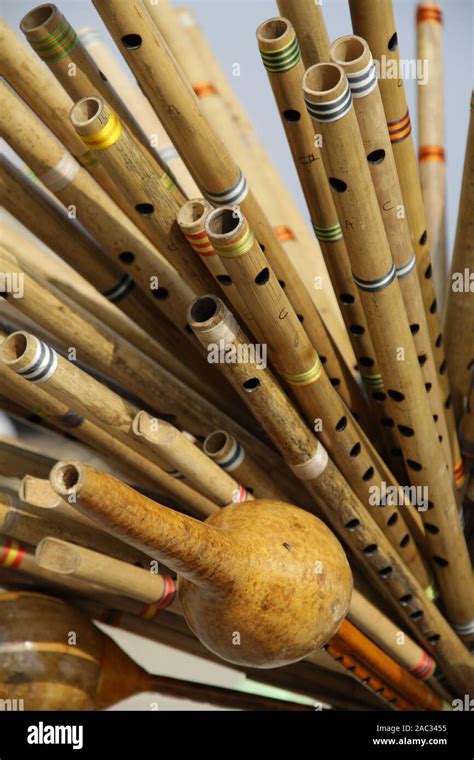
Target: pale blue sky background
[{"x": 230, "y": 27}]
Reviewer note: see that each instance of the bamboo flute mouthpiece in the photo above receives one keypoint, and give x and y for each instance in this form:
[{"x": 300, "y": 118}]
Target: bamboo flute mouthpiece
[{"x": 234, "y": 571}]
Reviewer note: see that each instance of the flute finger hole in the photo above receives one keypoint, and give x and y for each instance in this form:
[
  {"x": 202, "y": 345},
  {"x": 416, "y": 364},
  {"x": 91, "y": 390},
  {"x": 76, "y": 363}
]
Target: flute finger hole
[
  {"x": 341, "y": 425},
  {"x": 291, "y": 115},
  {"x": 161, "y": 294},
  {"x": 338, "y": 184},
  {"x": 346, "y": 299},
  {"x": 102, "y": 75},
  {"x": 439, "y": 341},
  {"x": 300, "y": 317},
  {"x": 424, "y": 238},
  {"x": 422, "y": 359},
  {"x": 431, "y": 528},
  {"x": 396, "y": 395},
  {"x": 416, "y": 615},
  {"x": 357, "y": 329},
  {"x": 366, "y": 361},
  {"x": 323, "y": 359},
  {"x": 224, "y": 279},
  {"x": 408, "y": 432},
  {"x": 250, "y": 385},
  {"x": 430, "y": 505},
  {"x": 434, "y": 306},
  {"x": 393, "y": 42},
  {"x": 352, "y": 524},
  {"x": 368, "y": 474},
  {"x": 428, "y": 272},
  {"x": 415, "y": 466},
  {"x": 404, "y": 600},
  {"x": 376, "y": 156},
  {"x": 262, "y": 277},
  {"x": 414, "y": 329},
  {"x": 440, "y": 561},
  {"x": 428, "y": 387},
  {"x": 447, "y": 403},
  {"x": 370, "y": 550},
  {"x": 387, "y": 422},
  {"x": 392, "y": 520},
  {"x": 334, "y": 381},
  {"x": 433, "y": 639},
  {"x": 145, "y": 209},
  {"x": 385, "y": 572},
  {"x": 442, "y": 369},
  {"x": 405, "y": 540},
  {"x": 379, "y": 396},
  {"x": 355, "y": 451},
  {"x": 282, "y": 283},
  {"x": 131, "y": 41},
  {"x": 126, "y": 257}
]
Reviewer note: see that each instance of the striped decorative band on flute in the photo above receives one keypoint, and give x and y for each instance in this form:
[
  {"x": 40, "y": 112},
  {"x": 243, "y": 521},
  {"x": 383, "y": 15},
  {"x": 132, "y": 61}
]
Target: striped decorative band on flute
[
  {"x": 168, "y": 153},
  {"x": 241, "y": 246},
  {"x": 458, "y": 472},
  {"x": 464, "y": 629},
  {"x": 56, "y": 45},
  {"x": 87, "y": 159},
  {"x": 233, "y": 459},
  {"x": 376, "y": 285},
  {"x": 62, "y": 174},
  {"x": 406, "y": 268},
  {"x": 202, "y": 89},
  {"x": 284, "y": 233},
  {"x": 425, "y": 668},
  {"x": 120, "y": 290},
  {"x": 304, "y": 378},
  {"x": 167, "y": 182},
  {"x": 372, "y": 382},
  {"x": 313, "y": 467},
  {"x": 431, "y": 153},
  {"x": 328, "y": 234},
  {"x": 283, "y": 59},
  {"x": 331, "y": 110},
  {"x": 200, "y": 243},
  {"x": 151, "y": 611},
  {"x": 363, "y": 82},
  {"x": 233, "y": 196},
  {"x": 42, "y": 366},
  {"x": 240, "y": 494},
  {"x": 399, "y": 129},
  {"x": 71, "y": 419},
  {"x": 11, "y": 553},
  {"x": 429, "y": 12},
  {"x": 106, "y": 136}
]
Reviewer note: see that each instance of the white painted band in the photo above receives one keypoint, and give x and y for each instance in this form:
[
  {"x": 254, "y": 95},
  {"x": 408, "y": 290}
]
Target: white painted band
[
  {"x": 62, "y": 175},
  {"x": 313, "y": 468}
]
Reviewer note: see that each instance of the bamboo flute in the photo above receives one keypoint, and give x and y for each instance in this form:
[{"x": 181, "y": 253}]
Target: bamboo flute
[
  {"x": 431, "y": 154},
  {"x": 286, "y": 85},
  {"x": 459, "y": 308},
  {"x": 326, "y": 88},
  {"x": 306, "y": 16},
  {"x": 138, "y": 104},
  {"x": 373, "y": 21},
  {"x": 389, "y": 574},
  {"x": 27, "y": 75},
  {"x": 353, "y": 55},
  {"x": 178, "y": 452},
  {"x": 24, "y": 354},
  {"x": 36, "y": 495},
  {"x": 349, "y": 638},
  {"x": 17, "y": 460},
  {"x": 231, "y": 456},
  {"x": 55, "y": 41},
  {"x": 215, "y": 561},
  {"x": 218, "y": 176},
  {"x": 466, "y": 428},
  {"x": 300, "y": 368},
  {"x": 31, "y": 528},
  {"x": 302, "y": 250},
  {"x": 115, "y": 575}
]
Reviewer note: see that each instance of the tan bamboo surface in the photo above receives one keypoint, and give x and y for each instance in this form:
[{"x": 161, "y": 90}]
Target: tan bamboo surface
[
  {"x": 17, "y": 460},
  {"x": 31, "y": 527},
  {"x": 350, "y": 639},
  {"x": 102, "y": 348},
  {"x": 138, "y": 104},
  {"x": 307, "y": 19},
  {"x": 431, "y": 153},
  {"x": 168, "y": 349},
  {"x": 466, "y": 428},
  {"x": 459, "y": 301},
  {"x": 374, "y": 21},
  {"x": 326, "y": 86},
  {"x": 71, "y": 385},
  {"x": 178, "y": 452},
  {"x": 97, "y": 567},
  {"x": 209, "y": 162},
  {"x": 231, "y": 456},
  {"x": 276, "y": 203},
  {"x": 272, "y": 35},
  {"x": 41, "y": 27},
  {"x": 387, "y": 635},
  {"x": 300, "y": 367},
  {"x": 353, "y": 55},
  {"x": 145, "y": 189},
  {"x": 25, "y": 72},
  {"x": 37, "y": 493},
  {"x": 388, "y": 573},
  {"x": 216, "y": 561}
]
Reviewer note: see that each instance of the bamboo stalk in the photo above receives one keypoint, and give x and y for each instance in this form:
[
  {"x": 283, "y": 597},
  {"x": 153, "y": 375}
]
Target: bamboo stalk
[
  {"x": 353, "y": 55},
  {"x": 307, "y": 19},
  {"x": 466, "y": 428},
  {"x": 218, "y": 176},
  {"x": 373, "y": 20},
  {"x": 431, "y": 154},
  {"x": 459, "y": 309},
  {"x": 18, "y": 460},
  {"x": 139, "y": 106},
  {"x": 345, "y": 513},
  {"x": 300, "y": 366},
  {"x": 24, "y": 354},
  {"x": 326, "y": 87}
]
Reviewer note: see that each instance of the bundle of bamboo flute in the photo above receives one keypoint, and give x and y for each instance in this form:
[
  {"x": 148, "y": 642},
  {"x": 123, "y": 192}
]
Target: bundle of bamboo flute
[{"x": 232, "y": 435}]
